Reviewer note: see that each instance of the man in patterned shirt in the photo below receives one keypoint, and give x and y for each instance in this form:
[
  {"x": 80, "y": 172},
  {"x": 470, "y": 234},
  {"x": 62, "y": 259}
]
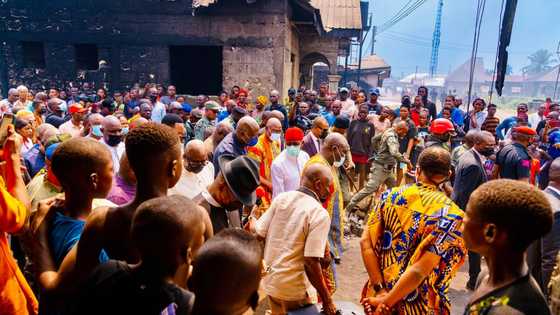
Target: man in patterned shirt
[{"x": 413, "y": 244}]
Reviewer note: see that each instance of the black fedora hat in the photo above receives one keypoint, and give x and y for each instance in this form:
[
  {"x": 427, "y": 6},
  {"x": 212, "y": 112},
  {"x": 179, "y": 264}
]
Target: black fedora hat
[{"x": 242, "y": 176}]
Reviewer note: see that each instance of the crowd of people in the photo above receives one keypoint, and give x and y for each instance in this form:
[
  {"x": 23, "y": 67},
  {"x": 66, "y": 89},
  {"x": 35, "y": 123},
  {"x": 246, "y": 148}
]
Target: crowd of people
[{"x": 143, "y": 203}]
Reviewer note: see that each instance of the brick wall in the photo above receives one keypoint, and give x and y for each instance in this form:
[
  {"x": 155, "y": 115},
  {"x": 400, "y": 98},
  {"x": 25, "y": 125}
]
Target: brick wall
[{"x": 137, "y": 34}]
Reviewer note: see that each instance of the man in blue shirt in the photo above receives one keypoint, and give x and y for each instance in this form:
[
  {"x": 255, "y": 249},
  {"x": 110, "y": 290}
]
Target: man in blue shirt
[
  {"x": 132, "y": 103},
  {"x": 236, "y": 142},
  {"x": 512, "y": 121}
]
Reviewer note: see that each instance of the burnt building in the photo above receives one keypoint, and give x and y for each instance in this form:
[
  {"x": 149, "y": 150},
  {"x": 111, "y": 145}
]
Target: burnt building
[{"x": 201, "y": 46}]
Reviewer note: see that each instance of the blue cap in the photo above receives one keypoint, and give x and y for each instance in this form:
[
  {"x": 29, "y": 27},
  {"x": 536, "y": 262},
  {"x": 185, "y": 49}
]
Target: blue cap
[
  {"x": 374, "y": 91},
  {"x": 50, "y": 150},
  {"x": 187, "y": 108}
]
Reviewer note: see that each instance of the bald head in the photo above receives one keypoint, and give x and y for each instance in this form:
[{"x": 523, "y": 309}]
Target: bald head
[
  {"x": 278, "y": 115},
  {"x": 247, "y": 129},
  {"x": 470, "y": 137},
  {"x": 95, "y": 119},
  {"x": 138, "y": 122},
  {"x": 112, "y": 130},
  {"x": 335, "y": 147},
  {"x": 315, "y": 172},
  {"x": 111, "y": 122},
  {"x": 401, "y": 128},
  {"x": 554, "y": 173},
  {"x": 195, "y": 147},
  {"x": 273, "y": 123}
]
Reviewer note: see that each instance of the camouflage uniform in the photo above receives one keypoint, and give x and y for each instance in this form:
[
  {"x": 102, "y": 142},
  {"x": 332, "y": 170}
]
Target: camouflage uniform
[
  {"x": 201, "y": 127},
  {"x": 386, "y": 146}
]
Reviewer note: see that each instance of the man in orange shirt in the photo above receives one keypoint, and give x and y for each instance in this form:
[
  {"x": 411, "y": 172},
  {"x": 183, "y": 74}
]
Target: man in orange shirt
[
  {"x": 16, "y": 296},
  {"x": 265, "y": 151}
]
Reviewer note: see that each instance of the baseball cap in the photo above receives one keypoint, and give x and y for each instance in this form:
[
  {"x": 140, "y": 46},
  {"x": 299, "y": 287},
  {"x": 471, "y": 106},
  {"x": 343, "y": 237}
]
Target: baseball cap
[
  {"x": 343, "y": 90},
  {"x": 374, "y": 91},
  {"x": 187, "y": 108},
  {"x": 212, "y": 105}
]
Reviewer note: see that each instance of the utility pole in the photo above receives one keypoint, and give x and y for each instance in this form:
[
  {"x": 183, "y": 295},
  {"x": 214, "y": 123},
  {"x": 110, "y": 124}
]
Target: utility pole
[
  {"x": 557, "y": 75},
  {"x": 373, "y": 33}
]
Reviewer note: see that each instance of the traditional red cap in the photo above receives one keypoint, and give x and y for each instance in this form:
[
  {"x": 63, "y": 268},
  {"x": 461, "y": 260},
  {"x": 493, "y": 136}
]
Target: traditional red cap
[
  {"x": 294, "y": 134},
  {"x": 525, "y": 130},
  {"x": 244, "y": 92}
]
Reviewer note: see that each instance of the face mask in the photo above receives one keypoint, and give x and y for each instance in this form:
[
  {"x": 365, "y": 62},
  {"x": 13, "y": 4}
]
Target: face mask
[
  {"x": 340, "y": 162},
  {"x": 275, "y": 136},
  {"x": 96, "y": 131},
  {"x": 253, "y": 142},
  {"x": 324, "y": 134},
  {"x": 114, "y": 140},
  {"x": 293, "y": 150},
  {"x": 63, "y": 107},
  {"x": 487, "y": 152},
  {"x": 125, "y": 130}
]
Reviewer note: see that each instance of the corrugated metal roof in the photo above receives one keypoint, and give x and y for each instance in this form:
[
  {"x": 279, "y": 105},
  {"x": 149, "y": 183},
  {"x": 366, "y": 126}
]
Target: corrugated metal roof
[
  {"x": 339, "y": 14},
  {"x": 202, "y": 3}
]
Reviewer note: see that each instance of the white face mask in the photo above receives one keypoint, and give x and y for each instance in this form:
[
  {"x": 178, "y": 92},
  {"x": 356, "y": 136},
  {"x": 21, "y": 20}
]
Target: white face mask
[
  {"x": 275, "y": 136},
  {"x": 340, "y": 162}
]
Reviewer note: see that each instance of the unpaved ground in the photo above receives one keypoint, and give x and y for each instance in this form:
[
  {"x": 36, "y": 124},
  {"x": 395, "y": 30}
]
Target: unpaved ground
[{"x": 352, "y": 276}]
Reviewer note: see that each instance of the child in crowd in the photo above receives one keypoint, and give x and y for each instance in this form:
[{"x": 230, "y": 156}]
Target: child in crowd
[
  {"x": 230, "y": 290},
  {"x": 167, "y": 231},
  {"x": 495, "y": 226}
]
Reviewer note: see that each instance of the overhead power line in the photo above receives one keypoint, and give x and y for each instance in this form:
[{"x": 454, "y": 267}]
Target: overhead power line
[{"x": 404, "y": 12}]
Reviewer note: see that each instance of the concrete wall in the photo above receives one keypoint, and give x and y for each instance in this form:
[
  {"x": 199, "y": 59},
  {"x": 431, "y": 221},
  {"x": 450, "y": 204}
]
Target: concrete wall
[{"x": 133, "y": 37}]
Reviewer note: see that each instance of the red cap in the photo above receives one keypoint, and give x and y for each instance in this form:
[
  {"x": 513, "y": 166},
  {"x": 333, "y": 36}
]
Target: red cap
[
  {"x": 525, "y": 130},
  {"x": 441, "y": 125},
  {"x": 76, "y": 108},
  {"x": 244, "y": 92},
  {"x": 294, "y": 134}
]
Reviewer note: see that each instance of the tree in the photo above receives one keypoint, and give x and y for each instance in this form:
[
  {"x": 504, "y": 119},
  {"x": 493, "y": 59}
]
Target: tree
[{"x": 540, "y": 61}]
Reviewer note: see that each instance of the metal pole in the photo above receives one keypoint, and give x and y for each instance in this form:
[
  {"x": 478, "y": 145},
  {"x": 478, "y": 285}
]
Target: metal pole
[
  {"x": 557, "y": 75},
  {"x": 360, "y": 60},
  {"x": 374, "y": 32}
]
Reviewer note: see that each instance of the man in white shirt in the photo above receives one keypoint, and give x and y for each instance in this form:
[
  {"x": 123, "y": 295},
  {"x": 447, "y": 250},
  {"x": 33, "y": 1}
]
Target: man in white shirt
[
  {"x": 112, "y": 138},
  {"x": 74, "y": 126},
  {"x": 536, "y": 118},
  {"x": 287, "y": 167},
  {"x": 158, "y": 110},
  {"x": 296, "y": 228},
  {"x": 198, "y": 173},
  {"x": 348, "y": 105}
]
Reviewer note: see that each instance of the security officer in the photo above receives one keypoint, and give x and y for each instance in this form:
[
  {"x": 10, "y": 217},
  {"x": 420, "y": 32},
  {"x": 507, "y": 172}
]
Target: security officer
[
  {"x": 441, "y": 131},
  {"x": 209, "y": 120},
  {"x": 385, "y": 159},
  {"x": 513, "y": 160}
]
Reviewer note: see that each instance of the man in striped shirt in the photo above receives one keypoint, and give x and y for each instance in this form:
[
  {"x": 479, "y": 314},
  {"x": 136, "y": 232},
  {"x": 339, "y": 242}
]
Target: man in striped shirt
[{"x": 491, "y": 122}]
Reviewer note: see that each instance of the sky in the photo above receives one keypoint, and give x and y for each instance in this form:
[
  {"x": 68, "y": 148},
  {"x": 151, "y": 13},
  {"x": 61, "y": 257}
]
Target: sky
[{"x": 408, "y": 44}]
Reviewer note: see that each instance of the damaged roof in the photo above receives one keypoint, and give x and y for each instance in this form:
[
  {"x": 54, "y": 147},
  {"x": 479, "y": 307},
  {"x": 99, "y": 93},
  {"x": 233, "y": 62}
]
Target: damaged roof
[
  {"x": 339, "y": 14},
  {"x": 336, "y": 15}
]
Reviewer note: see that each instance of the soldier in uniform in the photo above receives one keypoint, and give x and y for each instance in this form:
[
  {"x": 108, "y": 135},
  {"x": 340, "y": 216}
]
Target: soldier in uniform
[
  {"x": 384, "y": 161},
  {"x": 208, "y": 120}
]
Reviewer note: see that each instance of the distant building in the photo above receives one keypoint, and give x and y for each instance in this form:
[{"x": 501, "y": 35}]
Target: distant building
[
  {"x": 373, "y": 70},
  {"x": 201, "y": 46}
]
